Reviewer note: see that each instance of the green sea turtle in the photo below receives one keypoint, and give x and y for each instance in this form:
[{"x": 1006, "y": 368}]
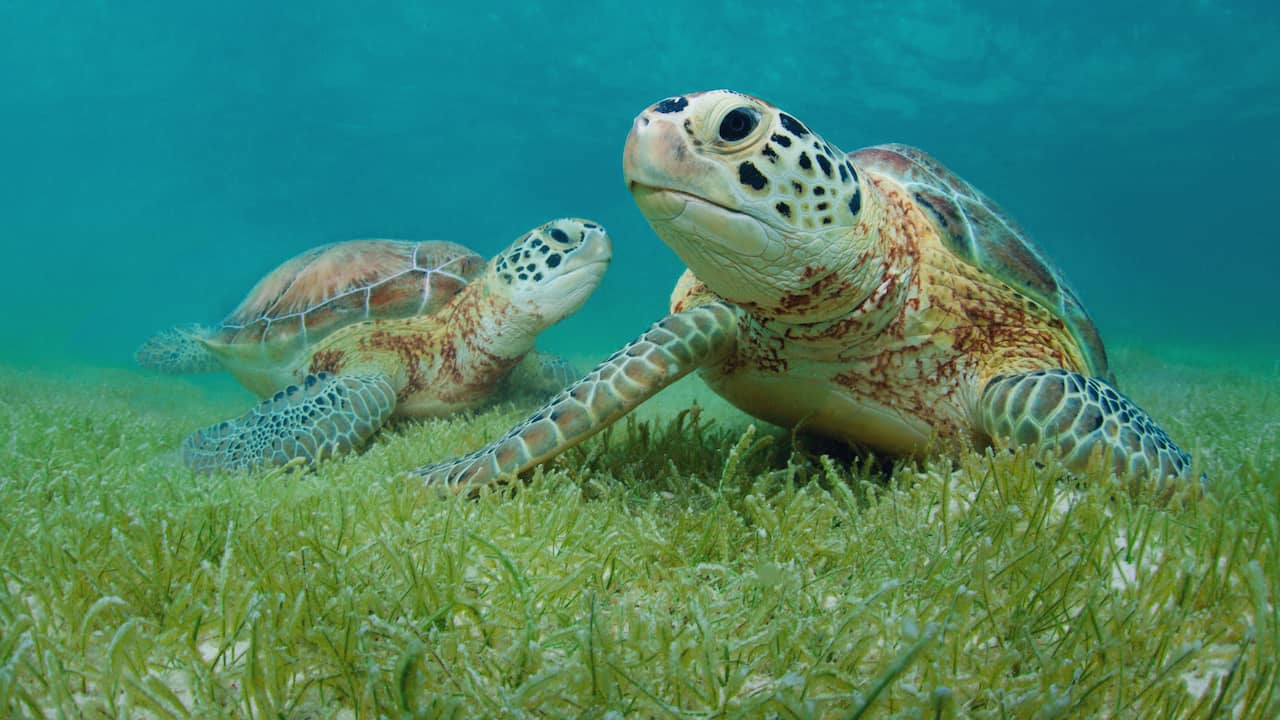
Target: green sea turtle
[
  {"x": 346, "y": 336},
  {"x": 875, "y": 298}
]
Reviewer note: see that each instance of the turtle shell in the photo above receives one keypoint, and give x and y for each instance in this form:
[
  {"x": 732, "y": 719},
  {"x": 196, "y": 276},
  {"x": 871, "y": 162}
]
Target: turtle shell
[
  {"x": 975, "y": 229},
  {"x": 331, "y": 286}
]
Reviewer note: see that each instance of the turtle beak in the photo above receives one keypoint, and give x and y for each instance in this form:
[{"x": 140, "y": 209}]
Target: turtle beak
[
  {"x": 663, "y": 170},
  {"x": 596, "y": 249},
  {"x": 647, "y": 141},
  {"x": 658, "y": 154}
]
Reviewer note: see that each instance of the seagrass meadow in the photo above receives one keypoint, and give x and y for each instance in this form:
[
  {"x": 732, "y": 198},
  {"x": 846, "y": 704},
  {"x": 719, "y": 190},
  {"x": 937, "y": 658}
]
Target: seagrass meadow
[
  {"x": 157, "y": 159},
  {"x": 687, "y": 563}
]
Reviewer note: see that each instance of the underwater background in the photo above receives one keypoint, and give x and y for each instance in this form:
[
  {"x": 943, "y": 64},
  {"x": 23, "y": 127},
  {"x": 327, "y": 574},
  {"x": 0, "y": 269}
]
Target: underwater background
[{"x": 158, "y": 158}]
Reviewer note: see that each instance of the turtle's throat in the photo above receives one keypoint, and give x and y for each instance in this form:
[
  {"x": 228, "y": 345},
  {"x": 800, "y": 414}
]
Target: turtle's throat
[
  {"x": 878, "y": 254},
  {"x": 495, "y": 324},
  {"x": 843, "y": 272},
  {"x": 876, "y": 286}
]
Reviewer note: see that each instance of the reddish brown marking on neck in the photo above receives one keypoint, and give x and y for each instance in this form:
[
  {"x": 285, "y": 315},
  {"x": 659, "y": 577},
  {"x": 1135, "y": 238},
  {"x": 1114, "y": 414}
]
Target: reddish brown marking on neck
[
  {"x": 409, "y": 347},
  {"x": 473, "y": 326},
  {"x": 902, "y": 226},
  {"x": 821, "y": 285},
  {"x": 758, "y": 349},
  {"x": 330, "y": 361}
]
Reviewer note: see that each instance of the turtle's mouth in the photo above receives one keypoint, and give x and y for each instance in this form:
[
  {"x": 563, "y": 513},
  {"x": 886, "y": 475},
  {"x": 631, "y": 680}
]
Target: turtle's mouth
[
  {"x": 692, "y": 225},
  {"x": 655, "y": 200}
]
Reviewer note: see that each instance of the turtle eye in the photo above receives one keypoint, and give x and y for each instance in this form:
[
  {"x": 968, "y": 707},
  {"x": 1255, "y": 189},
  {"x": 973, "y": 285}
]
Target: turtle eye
[{"x": 737, "y": 124}]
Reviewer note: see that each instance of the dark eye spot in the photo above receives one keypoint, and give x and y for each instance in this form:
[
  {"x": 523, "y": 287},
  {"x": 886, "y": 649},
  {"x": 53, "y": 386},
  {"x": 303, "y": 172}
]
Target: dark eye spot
[
  {"x": 855, "y": 202},
  {"x": 749, "y": 175},
  {"x": 819, "y": 190},
  {"x": 670, "y": 105},
  {"x": 804, "y": 161},
  {"x": 737, "y": 124},
  {"x": 537, "y": 277},
  {"x": 553, "y": 260},
  {"x": 784, "y": 208},
  {"x": 825, "y": 164},
  {"x": 782, "y": 140},
  {"x": 559, "y": 235},
  {"x": 793, "y": 125}
]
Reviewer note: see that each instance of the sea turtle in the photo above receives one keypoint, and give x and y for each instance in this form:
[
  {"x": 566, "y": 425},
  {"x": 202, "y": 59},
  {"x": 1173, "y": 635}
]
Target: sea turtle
[
  {"x": 345, "y": 336},
  {"x": 875, "y": 298},
  {"x": 308, "y": 297},
  {"x": 324, "y": 289}
]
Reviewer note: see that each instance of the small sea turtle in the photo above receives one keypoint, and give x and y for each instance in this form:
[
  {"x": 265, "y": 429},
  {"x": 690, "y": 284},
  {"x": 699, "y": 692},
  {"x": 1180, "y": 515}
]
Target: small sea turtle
[
  {"x": 308, "y": 297},
  {"x": 345, "y": 336},
  {"x": 874, "y": 297}
]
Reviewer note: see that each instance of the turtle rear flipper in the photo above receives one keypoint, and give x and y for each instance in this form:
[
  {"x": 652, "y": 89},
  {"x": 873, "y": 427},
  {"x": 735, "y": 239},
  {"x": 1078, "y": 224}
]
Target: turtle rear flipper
[
  {"x": 326, "y": 415},
  {"x": 666, "y": 352},
  {"x": 1076, "y": 416},
  {"x": 178, "y": 351}
]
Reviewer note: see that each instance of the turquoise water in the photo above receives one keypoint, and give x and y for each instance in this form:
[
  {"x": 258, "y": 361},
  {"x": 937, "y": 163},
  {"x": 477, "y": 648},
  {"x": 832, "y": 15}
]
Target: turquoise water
[{"x": 159, "y": 157}]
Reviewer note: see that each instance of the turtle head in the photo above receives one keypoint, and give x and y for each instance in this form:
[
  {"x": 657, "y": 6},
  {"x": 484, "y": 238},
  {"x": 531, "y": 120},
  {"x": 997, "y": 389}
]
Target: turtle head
[
  {"x": 762, "y": 209},
  {"x": 548, "y": 273}
]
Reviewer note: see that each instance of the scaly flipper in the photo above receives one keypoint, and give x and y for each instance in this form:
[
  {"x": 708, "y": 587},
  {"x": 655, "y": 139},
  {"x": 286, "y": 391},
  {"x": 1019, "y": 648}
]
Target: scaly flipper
[
  {"x": 666, "y": 352},
  {"x": 1075, "y": 416},
  {"x": 324, "y": 416},
  {"x": 178, "y": 351},
  {"x": 542, "y": 374}
]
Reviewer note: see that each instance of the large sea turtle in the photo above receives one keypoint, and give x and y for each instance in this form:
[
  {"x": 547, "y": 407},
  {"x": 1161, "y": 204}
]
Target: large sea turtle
[
  {"x": 345, "y": 336},
  {"x": 874, "y": 297}
]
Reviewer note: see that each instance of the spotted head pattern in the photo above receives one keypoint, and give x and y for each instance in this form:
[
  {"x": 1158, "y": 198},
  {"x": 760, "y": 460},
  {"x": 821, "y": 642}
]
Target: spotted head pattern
[
  {"x": 550, "y": 270},
  {"x": 759, "y": 206}
]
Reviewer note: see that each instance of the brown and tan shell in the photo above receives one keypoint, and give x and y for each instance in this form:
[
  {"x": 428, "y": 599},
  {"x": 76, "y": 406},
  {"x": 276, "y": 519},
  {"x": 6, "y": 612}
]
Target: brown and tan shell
[
  {"x": 332, "y": 286},
  {"x": 976, "y": 230}
]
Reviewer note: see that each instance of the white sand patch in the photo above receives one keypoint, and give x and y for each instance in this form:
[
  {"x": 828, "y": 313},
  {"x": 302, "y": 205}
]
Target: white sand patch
[
  {"x": 1124, "y": 569},
  {"x": 1124, "y": 572},
  {"x": 1208, "y": 667},
  {"x": 1063, "y": 501},
  {"x": 959, "y": 502},
  {"x": 209, "y": 650}
]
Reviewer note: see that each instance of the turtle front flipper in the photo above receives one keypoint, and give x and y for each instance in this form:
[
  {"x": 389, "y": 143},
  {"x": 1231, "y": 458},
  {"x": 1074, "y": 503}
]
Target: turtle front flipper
[
  {"x": 1076, "y": 416},
  {"x": 667, "y": 351},
  {"x": 178, "y": 351},
  {"x": 324, "y": 416}
]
